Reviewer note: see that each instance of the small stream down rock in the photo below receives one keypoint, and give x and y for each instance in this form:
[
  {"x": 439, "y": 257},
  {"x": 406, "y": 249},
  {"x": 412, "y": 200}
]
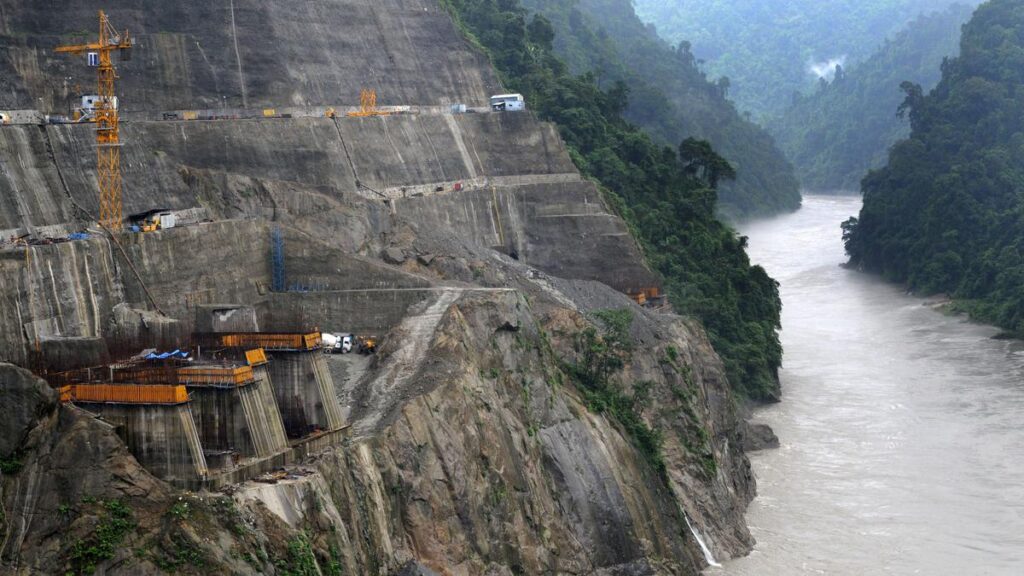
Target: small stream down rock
[{"x": 902, "y": 445}]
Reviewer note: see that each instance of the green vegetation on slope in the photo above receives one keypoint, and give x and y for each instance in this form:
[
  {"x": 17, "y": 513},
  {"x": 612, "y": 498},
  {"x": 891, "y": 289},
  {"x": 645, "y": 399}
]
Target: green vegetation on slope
[
  {"x": 767, "y": 49},
  {"x": 601, "y": 355},
  {"x": 667, "y": 202},
  {"x": 835, "y": 136},
  {"x": 947, "y": 213},
  {"x": 671, "y": 98}
]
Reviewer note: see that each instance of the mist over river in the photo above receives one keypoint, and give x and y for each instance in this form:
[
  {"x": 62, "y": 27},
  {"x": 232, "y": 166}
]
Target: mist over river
[{"x": 902, "y": 429}]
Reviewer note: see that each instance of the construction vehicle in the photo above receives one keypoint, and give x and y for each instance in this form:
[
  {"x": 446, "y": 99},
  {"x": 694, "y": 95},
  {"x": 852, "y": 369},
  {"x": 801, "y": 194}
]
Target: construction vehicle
[
  {"x": 108, "y": 142},
  {"x": 337, "y": 343},
  {"x": 367, "y": 345},
  {"x": 153, "y": 220},
  {"x": 508, "y": 103}
]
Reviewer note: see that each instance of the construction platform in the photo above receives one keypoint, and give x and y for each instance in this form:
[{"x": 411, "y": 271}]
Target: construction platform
[
  {"x": 203, "y": 422},
  {"x": 155, "y": 422}
]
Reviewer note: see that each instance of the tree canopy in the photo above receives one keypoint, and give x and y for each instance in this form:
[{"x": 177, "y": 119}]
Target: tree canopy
[
  {"x": 771, "y": 49},
  {"x": 843, "y": 130},
  {"x": 947, "y": 212},
  {"x": 672, "y": 98}
]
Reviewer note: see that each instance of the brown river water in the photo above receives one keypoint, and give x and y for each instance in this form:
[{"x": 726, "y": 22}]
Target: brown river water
[{"x": 902, "y": 429}]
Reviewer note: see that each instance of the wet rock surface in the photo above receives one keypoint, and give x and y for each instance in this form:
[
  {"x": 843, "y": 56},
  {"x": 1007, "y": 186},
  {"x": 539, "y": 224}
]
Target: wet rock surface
[{"x": 759, "y": 437}]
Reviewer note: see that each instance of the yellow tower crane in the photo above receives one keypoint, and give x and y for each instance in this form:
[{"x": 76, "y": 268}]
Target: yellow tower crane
[
  {"x": 368, "y": 105},
  {"x": 108, "y": 141}
]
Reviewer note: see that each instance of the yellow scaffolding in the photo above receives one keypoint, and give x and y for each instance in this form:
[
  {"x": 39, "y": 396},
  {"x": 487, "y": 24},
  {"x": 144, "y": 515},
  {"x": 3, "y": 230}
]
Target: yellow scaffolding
[
  {"x": 256, "y": 357},
  {"x": 368, "y": 105}
]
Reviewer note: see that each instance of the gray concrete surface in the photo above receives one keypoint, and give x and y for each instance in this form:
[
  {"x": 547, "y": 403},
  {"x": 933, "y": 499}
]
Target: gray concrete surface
[{"x": 164, "y": 439}]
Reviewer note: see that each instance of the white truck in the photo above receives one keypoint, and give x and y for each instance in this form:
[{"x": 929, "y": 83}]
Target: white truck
[{"x": 337, "y": 343}]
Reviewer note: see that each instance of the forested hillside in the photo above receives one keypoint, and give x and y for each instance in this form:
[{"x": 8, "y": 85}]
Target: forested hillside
[
  {"x": 770, "y": 50},
  {"x": 671, "y": 98},
  {"x": 666, "y": 193},
  {"x": 947, "y": 213},
  {"x": 846, "y": 127}
]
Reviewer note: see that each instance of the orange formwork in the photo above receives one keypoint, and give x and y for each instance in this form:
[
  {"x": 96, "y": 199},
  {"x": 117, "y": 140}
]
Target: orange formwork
[
  {"x": 124, "y": 394},
  {"x": 643, "y": 295},
  {"x": 216, "y": 376},
  {"x": 268, "y": 341},
  {"x": 256, "y": 357}
]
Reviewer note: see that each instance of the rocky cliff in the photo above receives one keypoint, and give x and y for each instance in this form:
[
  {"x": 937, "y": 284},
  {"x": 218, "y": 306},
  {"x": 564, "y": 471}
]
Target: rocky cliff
[
  {"x": 484, "y": 460},
  {"x": 469, "y": 242}
]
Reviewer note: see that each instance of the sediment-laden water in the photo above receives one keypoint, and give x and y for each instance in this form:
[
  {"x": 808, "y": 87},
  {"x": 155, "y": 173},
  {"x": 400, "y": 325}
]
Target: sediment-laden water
[{"x": 902, "y": 429}]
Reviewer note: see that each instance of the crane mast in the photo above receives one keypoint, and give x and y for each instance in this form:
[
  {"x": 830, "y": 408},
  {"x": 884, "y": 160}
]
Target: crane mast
[{"x": 108, "y": 140}]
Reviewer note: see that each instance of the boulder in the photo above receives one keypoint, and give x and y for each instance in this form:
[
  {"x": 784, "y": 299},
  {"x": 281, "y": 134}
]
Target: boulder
[
  {"x": 394, "y": 256},
  {"x": 759, "y": 437},
  {"x": 24, "y": 400}
]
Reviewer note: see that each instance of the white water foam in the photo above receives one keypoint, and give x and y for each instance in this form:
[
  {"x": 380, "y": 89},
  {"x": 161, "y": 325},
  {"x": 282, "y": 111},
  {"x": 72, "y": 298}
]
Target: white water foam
[{"x": 708, "y": 556}]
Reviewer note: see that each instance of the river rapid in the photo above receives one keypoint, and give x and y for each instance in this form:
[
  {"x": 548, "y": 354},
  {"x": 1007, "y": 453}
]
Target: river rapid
[{"x": 902, "y": 429}]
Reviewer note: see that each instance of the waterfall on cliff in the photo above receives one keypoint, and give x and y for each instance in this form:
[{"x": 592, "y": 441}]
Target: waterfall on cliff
[{"x": 708, "y": 556}]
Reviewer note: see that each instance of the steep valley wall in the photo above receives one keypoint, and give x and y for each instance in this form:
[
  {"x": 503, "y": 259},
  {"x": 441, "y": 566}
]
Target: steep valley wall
[
  {"x": 491, "y": 464},
  {"x": 296, "y": 172},
  {"x": 469, "y": 242},
  {"x": 251, "y": 53}
]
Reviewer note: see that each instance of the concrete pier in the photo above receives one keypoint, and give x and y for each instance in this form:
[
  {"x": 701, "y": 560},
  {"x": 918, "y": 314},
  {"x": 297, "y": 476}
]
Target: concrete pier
[
  {"x": 305, "y": 392},
  {"x": 244, "y": 420},
  {"x": 263, "y": 415},
  {"x": 163, "y": 438}
]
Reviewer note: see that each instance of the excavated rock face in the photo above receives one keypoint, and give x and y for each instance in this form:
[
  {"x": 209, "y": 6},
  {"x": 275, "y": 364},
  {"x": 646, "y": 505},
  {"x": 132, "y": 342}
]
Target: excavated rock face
[
  {"x": 480, "y": 457},
  {"x": 252, "y": 53},
  {"x": 486, "y": 460}
]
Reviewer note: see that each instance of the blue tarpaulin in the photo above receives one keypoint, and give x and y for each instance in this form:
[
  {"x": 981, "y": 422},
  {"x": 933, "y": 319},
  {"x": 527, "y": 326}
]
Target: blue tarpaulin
[
  {"x": 166, "y": 355},
  {"x": 78, "y": 236}
]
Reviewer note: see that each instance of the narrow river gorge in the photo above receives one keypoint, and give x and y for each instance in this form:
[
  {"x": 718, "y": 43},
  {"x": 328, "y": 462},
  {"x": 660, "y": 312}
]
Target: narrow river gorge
[{"x": 902, "y": 429}]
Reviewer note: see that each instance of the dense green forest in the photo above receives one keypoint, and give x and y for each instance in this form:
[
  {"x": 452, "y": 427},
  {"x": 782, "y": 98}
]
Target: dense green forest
[
  {"x": 665, "y": 193},
  {"x": 947, "y": 213},
  {"x": 768, "y": 49},
  {"x": 843, "y": 130},
  {"x": 671, "y": 98}
]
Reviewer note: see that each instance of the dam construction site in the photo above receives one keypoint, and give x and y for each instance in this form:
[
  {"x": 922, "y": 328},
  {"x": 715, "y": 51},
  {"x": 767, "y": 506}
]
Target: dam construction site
[{"x": 176, "y": 245}]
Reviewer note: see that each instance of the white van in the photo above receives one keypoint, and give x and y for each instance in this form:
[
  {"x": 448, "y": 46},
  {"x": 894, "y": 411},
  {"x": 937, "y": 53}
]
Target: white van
[{"x": 508, "y": 103}]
